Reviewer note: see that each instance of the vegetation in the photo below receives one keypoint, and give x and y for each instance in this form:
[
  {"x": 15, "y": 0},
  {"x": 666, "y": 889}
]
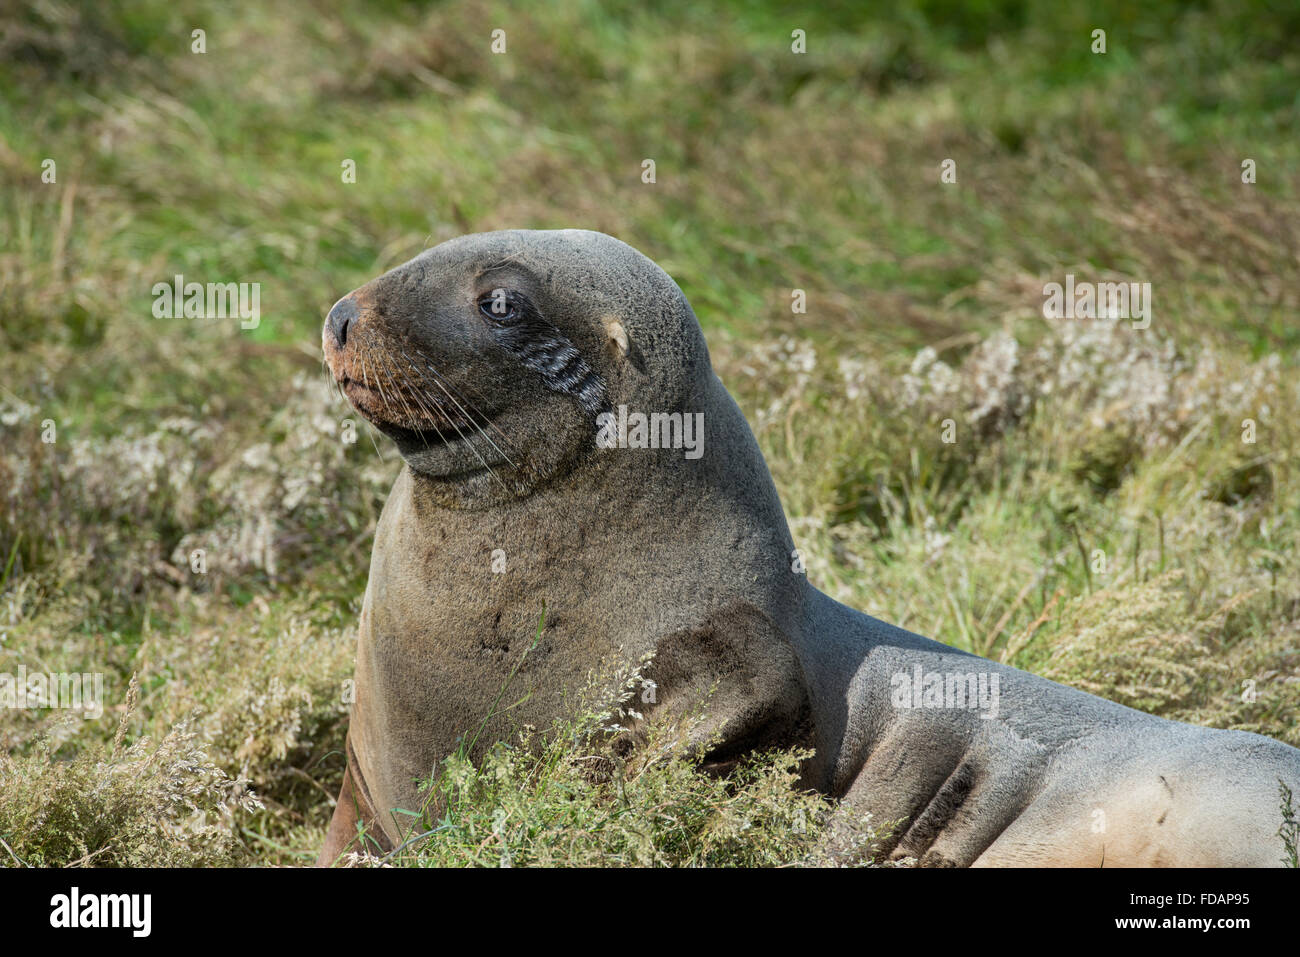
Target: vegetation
[{"x": 1101, "y": 517}]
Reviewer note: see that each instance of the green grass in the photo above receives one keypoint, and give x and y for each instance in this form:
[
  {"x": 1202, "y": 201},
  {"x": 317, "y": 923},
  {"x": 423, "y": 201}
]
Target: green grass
[
  {"x": 775, "y": 171},
  {"x": 579, "y": 794}
]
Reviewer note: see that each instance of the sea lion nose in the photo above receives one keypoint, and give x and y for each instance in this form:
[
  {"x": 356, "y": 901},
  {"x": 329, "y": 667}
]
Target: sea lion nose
[{"x": 340, "y": 317}]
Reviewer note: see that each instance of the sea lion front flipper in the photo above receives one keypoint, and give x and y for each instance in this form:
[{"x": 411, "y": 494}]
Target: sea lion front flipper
[
  {"x": 352, "y": 809},
  {"x": 735, "y": 682}
]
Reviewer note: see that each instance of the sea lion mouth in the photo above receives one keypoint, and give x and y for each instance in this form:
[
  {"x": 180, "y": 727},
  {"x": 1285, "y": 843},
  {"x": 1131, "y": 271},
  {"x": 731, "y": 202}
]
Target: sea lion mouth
[{"x": 407, "y": 421}]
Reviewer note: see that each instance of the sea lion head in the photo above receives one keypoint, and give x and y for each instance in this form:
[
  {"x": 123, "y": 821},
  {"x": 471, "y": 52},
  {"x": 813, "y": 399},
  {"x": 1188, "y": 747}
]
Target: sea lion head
[{"x": 488, "y": 359}]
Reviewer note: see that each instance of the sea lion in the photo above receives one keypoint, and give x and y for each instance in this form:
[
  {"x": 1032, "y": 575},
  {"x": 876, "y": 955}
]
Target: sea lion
[{"x": 509, "y": 368}]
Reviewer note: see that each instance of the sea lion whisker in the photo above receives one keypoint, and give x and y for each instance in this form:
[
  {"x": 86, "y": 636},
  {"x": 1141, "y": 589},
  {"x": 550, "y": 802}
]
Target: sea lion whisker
[
  {"x": 470, "y": 419},
  {"x": 370, "y": 431},
  {"x": 456, "y": 392},
  {"x": 366, "y": 371},
  {"x": 422, "y": 400},
  {"x": 331, "y": 384},
  {"x": 470, "y": 446},
  {"x": 361, "y": 362},
  {"x": 468, "y": 385},
  {"x": 433, "y": 420},
  {"x": 430, "y": 403},
  {"x": 445, "y": 385},
  {"x": 398, "y": 391},
  {"x": 380, "y": 384},
  {"x": 337, "y": 385},
  {"x": 477, "y": 454},
  {"x": 480, "y": 428}
]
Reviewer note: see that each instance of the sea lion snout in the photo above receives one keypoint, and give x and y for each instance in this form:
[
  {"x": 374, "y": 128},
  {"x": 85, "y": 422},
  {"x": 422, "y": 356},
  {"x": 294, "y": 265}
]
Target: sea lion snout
[
  {"x": 375, "y": 375},
  {"x": 337, "y": 322},
  {"x": 341, "y": 333}
]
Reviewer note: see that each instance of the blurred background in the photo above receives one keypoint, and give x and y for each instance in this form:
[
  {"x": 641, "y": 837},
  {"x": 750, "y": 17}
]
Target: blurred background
[{"x": 1106, "y": 516}]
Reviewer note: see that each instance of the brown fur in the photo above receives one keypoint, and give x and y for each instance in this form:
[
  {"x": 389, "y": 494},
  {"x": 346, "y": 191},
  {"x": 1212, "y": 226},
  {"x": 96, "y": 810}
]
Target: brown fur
[{"x": 636, "y": 551}]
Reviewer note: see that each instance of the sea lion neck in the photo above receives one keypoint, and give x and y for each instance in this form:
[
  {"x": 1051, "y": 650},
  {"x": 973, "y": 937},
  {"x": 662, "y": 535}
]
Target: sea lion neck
[{"x": 642, "y": 469}]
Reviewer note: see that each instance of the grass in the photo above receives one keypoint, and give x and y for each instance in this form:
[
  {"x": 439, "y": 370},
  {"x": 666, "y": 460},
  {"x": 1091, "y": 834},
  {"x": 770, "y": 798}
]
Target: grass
[
  {"x": 578, "y": 794},
  {"x": 1290, "y": 829},
  {"x": 1098, "y": 518}
]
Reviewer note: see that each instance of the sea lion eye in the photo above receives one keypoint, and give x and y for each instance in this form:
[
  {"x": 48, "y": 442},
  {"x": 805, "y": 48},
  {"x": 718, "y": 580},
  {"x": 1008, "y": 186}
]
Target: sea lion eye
[{"x": 497, "y": 306}]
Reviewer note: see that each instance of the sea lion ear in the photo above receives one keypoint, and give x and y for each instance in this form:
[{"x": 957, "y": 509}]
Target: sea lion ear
[{"x": 617, "y": 335}]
